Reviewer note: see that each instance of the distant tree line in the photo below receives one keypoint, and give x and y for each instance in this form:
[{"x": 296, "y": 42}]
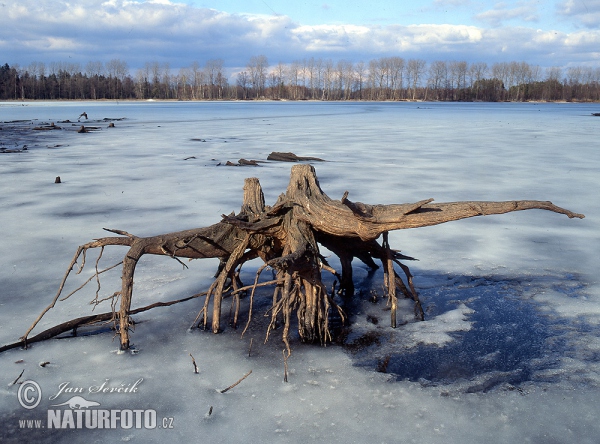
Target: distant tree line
[{"x": 388, "y": 78}]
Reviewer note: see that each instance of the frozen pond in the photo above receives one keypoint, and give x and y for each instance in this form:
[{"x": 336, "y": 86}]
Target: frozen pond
[{"x": 509, "y": 351}]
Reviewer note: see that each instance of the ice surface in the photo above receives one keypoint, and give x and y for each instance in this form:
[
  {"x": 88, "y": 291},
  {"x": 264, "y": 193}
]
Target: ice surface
[{"x": 510, "y": 348}]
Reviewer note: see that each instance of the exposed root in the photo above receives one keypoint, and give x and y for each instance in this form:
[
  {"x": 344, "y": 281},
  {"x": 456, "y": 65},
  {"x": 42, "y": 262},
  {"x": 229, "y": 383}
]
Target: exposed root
[
  {"x": 287, "y": 238},
  {"x": 260, "y": 270}
]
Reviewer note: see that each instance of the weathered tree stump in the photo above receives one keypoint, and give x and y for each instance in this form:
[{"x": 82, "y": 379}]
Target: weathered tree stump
[{"x": 286, "y": 237}]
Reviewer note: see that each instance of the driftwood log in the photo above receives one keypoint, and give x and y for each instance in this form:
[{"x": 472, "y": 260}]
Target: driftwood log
[
  {"x": 291, "y": 157},
  {"x": 286, "y": 237}
]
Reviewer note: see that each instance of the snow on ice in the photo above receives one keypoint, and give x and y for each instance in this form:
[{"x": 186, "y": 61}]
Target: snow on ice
[{"x": 509, "y": 351}]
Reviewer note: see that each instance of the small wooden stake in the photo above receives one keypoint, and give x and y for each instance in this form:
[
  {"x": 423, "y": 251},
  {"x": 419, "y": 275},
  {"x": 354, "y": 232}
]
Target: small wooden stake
[
  {"x": 18, "y": 377},
  {"x": 194, "y": 362}
]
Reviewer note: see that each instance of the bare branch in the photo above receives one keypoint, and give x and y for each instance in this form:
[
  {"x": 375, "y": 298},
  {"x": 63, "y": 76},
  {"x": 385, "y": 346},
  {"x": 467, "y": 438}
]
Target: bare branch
[{"x": 225, "y": 390}]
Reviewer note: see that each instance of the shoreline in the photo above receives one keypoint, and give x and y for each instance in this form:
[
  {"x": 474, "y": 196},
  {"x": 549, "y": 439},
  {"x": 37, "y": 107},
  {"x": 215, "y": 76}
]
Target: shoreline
[{"x": 27, "y": 101}]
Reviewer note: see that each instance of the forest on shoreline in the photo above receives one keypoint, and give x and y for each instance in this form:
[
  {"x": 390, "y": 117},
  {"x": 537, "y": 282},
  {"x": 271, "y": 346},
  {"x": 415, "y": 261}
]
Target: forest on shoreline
[{"x": 389, "y": 78}]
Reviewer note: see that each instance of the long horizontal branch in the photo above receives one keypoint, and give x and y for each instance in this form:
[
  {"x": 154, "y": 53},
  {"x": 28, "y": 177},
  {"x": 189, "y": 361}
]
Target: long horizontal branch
[
  {"x": 393, "y": 217},
  {"x": 87, "y": 320},
  {"x": 434, "y": 214},
  {"x": 354, "y": 219}
]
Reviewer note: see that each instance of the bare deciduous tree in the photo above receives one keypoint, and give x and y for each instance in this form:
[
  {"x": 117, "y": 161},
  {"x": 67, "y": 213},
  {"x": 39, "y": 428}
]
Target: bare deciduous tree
[
  {"x": 414, "y": 72},
  {"x": 243, "y": 82},
  {"x": 257, "y": 68}
]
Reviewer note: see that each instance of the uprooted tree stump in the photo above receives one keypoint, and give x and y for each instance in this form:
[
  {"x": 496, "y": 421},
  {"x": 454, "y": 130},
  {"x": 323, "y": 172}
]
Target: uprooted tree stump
[{"x": 286, "y": 237}]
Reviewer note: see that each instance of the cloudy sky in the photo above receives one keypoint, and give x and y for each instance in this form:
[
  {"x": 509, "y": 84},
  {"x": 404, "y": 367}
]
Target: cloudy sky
[{"x": 179, "y": 32}]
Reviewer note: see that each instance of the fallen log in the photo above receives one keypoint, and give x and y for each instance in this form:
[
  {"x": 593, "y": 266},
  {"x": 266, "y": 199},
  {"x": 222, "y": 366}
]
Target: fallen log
[
  {"x": 286, "y": 237},
  {"x": 50, "y": 127},
  {"x": 291, "y": 157}
]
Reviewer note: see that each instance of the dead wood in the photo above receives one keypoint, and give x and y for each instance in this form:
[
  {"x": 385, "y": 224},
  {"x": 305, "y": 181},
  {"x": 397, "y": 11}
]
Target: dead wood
[
  {"x": 291, "y": 157},
  {"x": 287, "y": 238},
  {"x": 274, "y": 156},
  {"x": 194, "y": 364},
  {"x": 243, "y": 162},
  {"x": 88, "y": 129},
  {"x": 84, "y": 321},
  {"x": 8, "y": 151},
  {"x": 225, "y": 390},
  {"x": 49, "y": 127}
]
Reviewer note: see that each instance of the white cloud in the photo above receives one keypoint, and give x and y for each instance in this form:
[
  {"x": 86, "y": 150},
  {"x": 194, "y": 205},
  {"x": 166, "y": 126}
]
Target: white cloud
[
  {"x": 584, "y": 12},
  {"x": 166, "y": 31},
  {"x": 525, "y": 11}
]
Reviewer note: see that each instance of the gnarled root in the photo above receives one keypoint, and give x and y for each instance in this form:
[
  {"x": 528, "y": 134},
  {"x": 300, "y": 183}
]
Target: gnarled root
[{"x": 286, "y": 237}]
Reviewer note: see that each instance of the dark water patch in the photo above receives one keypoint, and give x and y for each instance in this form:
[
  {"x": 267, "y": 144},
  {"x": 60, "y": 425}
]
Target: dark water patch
[
  {"x": 507, "y": 334},
  {"x": 511, "y": 340}
]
